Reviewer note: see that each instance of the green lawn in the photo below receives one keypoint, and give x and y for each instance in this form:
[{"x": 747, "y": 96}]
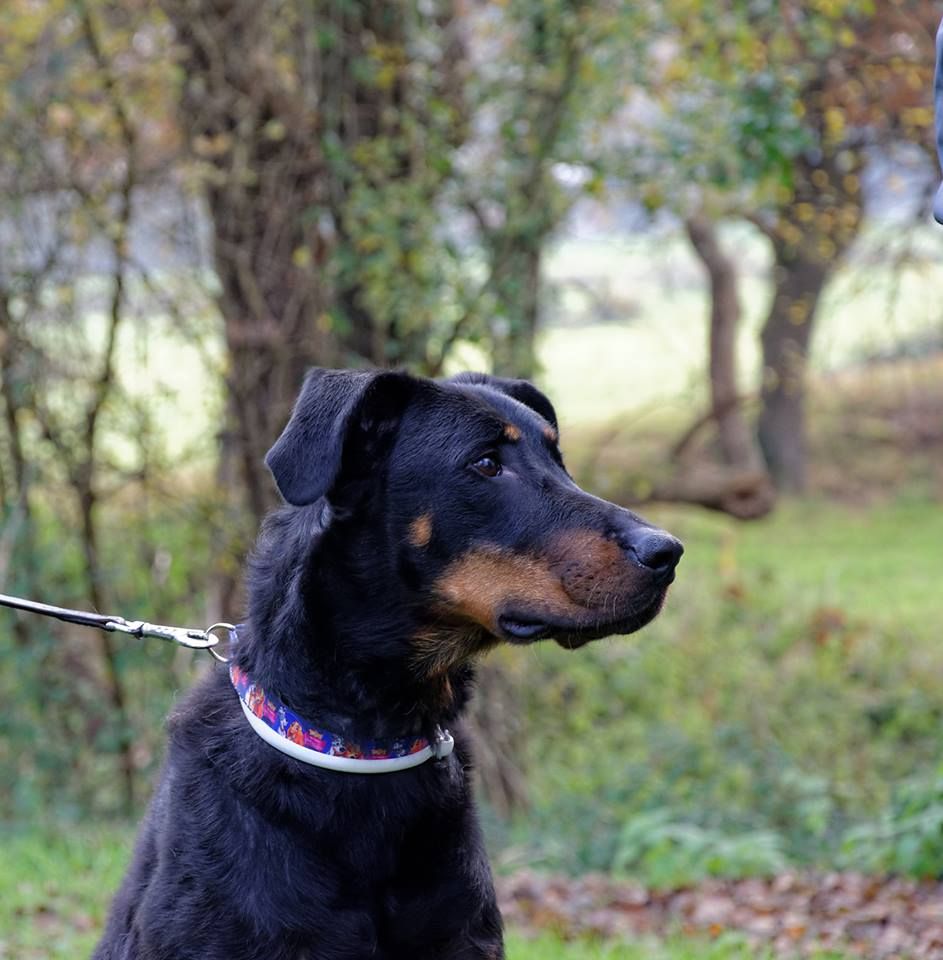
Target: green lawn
[
  {"x": 881, "y": 564},
  {"x": 725, "y": 948}
]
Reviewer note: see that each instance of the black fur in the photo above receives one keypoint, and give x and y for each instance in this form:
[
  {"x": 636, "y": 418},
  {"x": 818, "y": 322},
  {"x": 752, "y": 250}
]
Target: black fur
[{"x": 246, "y": 853}]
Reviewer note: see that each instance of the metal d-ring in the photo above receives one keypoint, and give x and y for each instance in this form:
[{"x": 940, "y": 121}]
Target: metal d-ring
[{"x": 226, "y": 628}]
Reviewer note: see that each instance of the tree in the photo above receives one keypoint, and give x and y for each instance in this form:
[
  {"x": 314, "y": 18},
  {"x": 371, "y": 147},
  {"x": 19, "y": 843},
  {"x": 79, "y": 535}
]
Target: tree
[
  {"x": 324, "y": 135},
  {"x": 773, "y": 109},
  {"x": 539, "y": 96},
  {"x": 74, "y": 162},
  {"x": 745, "y": 490},
  {"x": 865, "y": 80}
]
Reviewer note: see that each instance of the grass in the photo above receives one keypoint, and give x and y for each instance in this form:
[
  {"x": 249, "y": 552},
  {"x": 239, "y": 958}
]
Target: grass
[
  {"x": 55, "y": 888},
  {"x": 724, "y": 948},
  {"x": 879, "y": 564},
  {"x": 789, "y": 687}
]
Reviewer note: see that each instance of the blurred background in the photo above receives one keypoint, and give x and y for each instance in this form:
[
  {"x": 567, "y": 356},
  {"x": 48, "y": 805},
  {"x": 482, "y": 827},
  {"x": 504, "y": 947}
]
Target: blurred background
[{"x": 701, "y": 227}]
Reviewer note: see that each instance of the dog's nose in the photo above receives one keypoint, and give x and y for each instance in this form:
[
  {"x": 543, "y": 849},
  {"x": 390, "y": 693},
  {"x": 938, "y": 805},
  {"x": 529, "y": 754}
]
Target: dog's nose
[{"x": 655, "y": 549}]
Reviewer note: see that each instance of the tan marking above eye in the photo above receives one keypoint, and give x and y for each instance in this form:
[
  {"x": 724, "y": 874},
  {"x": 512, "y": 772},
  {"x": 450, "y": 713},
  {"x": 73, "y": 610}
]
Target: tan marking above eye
[
  {"x": 420, "y": 530},
  {"x": 512, "y": 433},
  {"x": 551, "y": 434}
]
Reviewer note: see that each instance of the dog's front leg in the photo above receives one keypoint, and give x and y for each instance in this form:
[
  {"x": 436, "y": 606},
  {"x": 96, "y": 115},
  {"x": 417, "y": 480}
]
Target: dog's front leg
[{"x": 443, "y": 905}]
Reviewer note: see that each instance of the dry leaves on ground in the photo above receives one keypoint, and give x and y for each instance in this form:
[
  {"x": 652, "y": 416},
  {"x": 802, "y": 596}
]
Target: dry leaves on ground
[{"x": 795, "y": 913}]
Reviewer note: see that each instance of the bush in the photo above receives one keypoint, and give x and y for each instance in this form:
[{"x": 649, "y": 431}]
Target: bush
[
  {"x": 907, "y": 838},
  {"x": 666, "y": 854}
]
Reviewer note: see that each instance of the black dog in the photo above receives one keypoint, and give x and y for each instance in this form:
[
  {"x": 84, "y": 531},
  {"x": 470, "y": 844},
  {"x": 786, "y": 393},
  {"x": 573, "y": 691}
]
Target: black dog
[{"x": 427, "y": 521}]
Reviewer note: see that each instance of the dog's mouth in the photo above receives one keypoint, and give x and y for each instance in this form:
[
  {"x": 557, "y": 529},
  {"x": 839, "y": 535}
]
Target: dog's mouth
[
  {"x": 520, "y": 626},
  {"x": 520, "y": 629}
]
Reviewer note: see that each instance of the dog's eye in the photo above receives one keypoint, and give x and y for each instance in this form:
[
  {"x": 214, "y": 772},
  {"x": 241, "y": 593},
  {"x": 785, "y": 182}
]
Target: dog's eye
[{"x": 487, "y": 466}]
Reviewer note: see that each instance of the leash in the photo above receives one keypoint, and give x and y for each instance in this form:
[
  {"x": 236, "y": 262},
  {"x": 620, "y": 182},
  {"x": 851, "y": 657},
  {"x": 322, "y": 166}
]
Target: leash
[
  {"x": 271, "y": 720},
  {"x": 184, "y": 636}
]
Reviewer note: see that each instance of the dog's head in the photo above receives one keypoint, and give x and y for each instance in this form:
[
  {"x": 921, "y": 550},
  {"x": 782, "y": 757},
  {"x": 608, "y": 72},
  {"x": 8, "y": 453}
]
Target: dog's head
[{"x": 459, "y": 489}]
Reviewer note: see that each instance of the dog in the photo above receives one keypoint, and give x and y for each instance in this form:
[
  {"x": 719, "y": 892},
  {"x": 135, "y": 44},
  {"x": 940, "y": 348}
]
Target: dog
[{"x": 425, "y": 522}]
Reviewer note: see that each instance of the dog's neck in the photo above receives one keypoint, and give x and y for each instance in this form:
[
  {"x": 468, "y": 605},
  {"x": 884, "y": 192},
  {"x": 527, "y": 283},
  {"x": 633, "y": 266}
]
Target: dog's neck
[{"x": 330, "y": 635}]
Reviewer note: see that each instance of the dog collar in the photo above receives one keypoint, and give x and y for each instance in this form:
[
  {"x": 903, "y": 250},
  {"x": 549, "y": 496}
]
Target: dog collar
[{"x": 286, "y": 731}]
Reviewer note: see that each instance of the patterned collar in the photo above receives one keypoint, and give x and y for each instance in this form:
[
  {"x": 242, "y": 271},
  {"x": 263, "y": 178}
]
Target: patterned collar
[{"x": 286, "y": 731}]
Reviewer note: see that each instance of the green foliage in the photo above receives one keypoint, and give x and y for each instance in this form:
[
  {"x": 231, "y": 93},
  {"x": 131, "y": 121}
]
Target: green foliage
[
  {"x": 547, "y": 947},
  {"x": 391, "y": 262},
  {"x": 54, "y": 910},
  {"x": 908, "y": 836},
  {"x": 548, "y": 78},
  {"x": 550, "y": 948},
  {"x": 667, "y": 855}
]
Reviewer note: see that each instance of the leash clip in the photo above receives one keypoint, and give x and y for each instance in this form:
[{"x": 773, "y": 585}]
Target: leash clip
[{"x": 187, "y": 637}]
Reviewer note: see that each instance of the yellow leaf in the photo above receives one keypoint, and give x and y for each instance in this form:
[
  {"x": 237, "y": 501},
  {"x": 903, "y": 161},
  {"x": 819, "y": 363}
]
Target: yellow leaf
[{"x": 805, "y": 212}]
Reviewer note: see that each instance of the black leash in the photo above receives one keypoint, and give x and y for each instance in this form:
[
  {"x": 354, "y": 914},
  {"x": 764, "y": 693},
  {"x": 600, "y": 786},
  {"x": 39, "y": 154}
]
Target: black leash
[{"x": 187, "y": 637}]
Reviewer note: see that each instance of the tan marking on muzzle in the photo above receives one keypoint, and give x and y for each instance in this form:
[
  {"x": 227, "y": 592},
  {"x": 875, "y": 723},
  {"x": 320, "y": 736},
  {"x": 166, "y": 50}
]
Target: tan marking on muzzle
[
  {"x": 477, "y": 585},
  {"x": 590, "y": 567},
  {"x": 420, "y": 530},
  {"x": 577, "y": 577}
]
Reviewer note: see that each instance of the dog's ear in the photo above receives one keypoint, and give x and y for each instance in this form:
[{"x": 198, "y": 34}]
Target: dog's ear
[
  {"x": 521, "y": 390},
  {"x": 336, "y": 409}
]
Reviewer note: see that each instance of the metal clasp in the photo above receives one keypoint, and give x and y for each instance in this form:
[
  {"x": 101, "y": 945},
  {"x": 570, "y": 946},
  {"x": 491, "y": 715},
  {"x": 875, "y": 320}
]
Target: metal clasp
[
  {"x": 443, "y": 745},
  {"x": 187, "y": 637}
]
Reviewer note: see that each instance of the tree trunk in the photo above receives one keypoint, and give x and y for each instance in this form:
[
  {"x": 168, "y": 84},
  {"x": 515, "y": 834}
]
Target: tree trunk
[
  {"x": 18, "y": 533},
  {"x": 113, "y": 683},
  {"x": 494, "y": 721},
  {"x": 781, "y": 429},
  {"x": 245, "y": 118},
  {"x": 733, "y": 434},
  {"x": 814, "y": 227},
  {"x": 289, "y": 105},
  {"x": 514, "y": 332}
]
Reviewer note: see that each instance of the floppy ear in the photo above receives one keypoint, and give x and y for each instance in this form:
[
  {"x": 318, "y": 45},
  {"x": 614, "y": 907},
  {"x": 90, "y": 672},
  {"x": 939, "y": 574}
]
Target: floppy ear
[
  {"x": 333, "y": 405},
  {"x": 521, "y": 390}
]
